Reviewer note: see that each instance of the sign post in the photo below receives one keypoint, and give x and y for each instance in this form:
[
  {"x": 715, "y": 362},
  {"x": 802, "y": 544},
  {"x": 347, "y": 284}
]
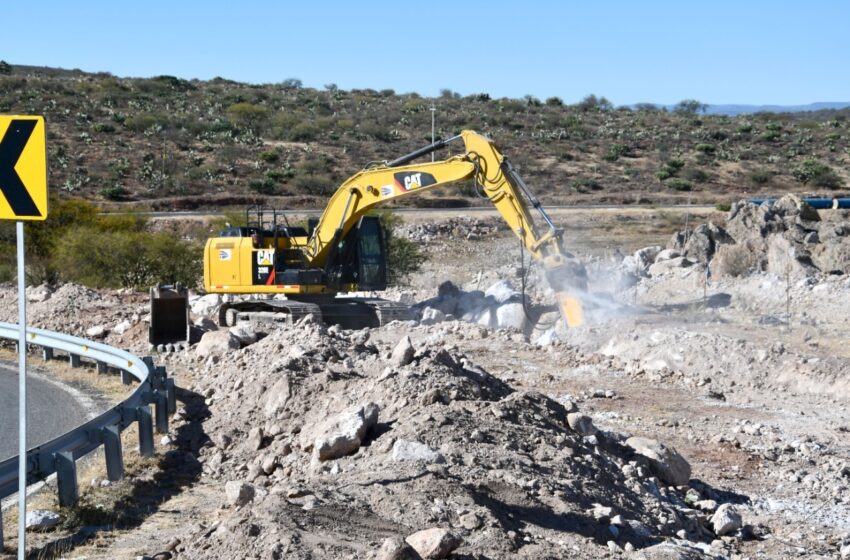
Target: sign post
[{"x": 23, "y": 184}]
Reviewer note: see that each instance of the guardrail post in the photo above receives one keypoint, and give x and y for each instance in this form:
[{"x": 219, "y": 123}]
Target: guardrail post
[
  {"x": 101, "y": 367},
  {"x": 2, "y": 546},
  {"x": 74, "y": 360},
  {"x": 126, "y": 377},
  {"x": 161, "y": 402},
  {"x": 143, "y": 413},
  {"x": 112, "y": 449},
  {"x": 171, "y": 394},
  {"x": 46, "y": 353},
  {"x": 66, "y": 478}
]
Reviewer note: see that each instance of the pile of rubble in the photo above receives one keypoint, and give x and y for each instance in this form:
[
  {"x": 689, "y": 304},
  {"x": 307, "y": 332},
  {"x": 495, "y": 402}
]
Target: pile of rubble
[
  {"x": 455, "y": 228},
  {"x": 117, "y": 317},
  {"x": 785, "y": 238},
  {"x": 327, "y": 443}
]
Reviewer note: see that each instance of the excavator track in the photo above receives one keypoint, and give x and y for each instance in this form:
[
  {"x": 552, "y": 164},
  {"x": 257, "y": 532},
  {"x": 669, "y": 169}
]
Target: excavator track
[
  {"x": 352, "y": 313},
  {"x": 267, "y": 311}
]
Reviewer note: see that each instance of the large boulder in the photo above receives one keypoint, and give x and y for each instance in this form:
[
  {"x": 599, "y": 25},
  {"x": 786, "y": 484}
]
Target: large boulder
[
  {"x": 701, "y": 243},
  {"x": 343, "y": 434},
  {"x": 511, "y": 316},
  {"x": 665, "y": 461},
  {"x": 787, "y": 258},
  {"x": 795, "y": 207},
  {"x": 502, "y": 292},
  {"x": 435, "y": 543},
  {"x": 217, "y": 343}
]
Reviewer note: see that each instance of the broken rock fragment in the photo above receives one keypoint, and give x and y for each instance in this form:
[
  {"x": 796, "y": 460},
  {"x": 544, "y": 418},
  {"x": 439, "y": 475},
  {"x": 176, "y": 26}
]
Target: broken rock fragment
[
  {"x": 726, "y": 520},
  {"x": 404, "y": 450},
  {"x": 343, "y": 434},
  {"x": 670, "y": 467},
  {"x": 403, "y": 352},
  {"x": 435, "y": 543}
]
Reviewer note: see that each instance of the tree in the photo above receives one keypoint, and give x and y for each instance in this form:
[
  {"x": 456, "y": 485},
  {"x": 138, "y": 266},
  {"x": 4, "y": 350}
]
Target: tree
[
  {"x": 690, "y": 107},
  {"x": 5, "y": 67},
  {"x": 246, "y": 114}
]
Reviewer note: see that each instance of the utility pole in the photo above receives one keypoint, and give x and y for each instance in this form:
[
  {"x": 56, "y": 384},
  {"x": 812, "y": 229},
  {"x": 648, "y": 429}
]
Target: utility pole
[{"x": 433, "y": 129}]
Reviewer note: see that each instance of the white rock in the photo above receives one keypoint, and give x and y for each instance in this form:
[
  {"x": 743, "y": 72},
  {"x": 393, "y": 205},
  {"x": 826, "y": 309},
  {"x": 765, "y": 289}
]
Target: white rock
[
  {"x": 845, "y": 551},
  {"x": 98, "y": 331},
  {"x": 511, "y": 316},
  {"x": 431, "y": 316},
  {"x": 666, "y": 255},
  {"x": 40, "y": 519},
  {"x": 403, "y": 352},
  {"x": 343, "y": 434},
  {"x": 547, "y": 338},
  {"x": 277, "y": 397},
  {"x": 217, "y": 343},
  {"x": 37, "y": 294},
  {"x": 726, "y": 520},
  {"x": 205, "y": 324},
  {"x": 662, "y": 267},
  {"x": 244, "y": 332},
  {"x": 238, "y": 493},
  {"x": 122, "y": 327},
  {"x": 501, "y": 292},
  {"x": 670, "y": 467},
  {"x": 404, "y": 450},
  {"x": 206, "y": 304},
  {"x": 435, "y": 543},
  {"x": 581, "y": 424},
  {"x": 486, "y": 318}
]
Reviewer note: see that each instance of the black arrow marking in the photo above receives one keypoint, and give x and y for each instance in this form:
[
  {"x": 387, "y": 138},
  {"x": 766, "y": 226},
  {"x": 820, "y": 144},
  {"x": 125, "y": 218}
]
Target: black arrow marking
[{"x": 13, "y": 188}]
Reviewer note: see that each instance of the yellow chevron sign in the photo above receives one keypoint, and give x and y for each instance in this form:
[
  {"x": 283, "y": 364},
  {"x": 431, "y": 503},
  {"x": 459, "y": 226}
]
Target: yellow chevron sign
[{"x": 23, "y": 168}]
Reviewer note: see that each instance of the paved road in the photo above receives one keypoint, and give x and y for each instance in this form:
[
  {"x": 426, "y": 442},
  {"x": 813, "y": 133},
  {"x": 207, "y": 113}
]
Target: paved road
[{"x": 52, "y": 411}]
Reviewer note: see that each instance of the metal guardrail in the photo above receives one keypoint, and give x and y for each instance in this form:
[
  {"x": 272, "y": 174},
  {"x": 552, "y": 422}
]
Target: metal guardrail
[{"x": 59, "y": 455}]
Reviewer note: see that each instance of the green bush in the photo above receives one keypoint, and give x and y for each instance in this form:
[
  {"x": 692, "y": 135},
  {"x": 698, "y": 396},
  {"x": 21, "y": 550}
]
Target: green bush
[
  {"x": 617, "y": 151},
  {"x": 116, "y": 192},
  {"x": 723, "y": 206},
  {"x": 818, "y": 174},
  {"x": 678, "y": 184},
  {"x": 760, "y": 176},
  {"x": 262, "y": 186},
  {"x": 269, "y": 157},
  {"x": 404, "y": 257},
  {"x": 126, "y": 259},
  {"x": 745, "y": 128},
  {"x": 319, "y": 185},
  {"x": 707, "y": 149},
  {"x": 771, "y": 135},
  {"x": 582, "y": 185},
  {"x": 695, "y": 175}
]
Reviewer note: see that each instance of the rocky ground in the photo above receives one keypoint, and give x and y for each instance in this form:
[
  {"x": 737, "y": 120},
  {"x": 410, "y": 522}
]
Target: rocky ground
[{"x": 700, "y": 413}]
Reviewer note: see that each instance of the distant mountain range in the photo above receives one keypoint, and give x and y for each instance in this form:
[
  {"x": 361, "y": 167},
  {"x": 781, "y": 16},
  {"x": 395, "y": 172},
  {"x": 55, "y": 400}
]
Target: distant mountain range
[{"x": 744, "y": 109}]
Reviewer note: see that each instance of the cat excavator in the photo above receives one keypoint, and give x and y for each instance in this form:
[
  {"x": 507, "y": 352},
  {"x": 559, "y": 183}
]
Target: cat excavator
[{"x": 344, "y": 250}]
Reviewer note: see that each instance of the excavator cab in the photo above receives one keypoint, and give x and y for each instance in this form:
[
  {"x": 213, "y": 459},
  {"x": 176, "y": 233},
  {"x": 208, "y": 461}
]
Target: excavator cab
[{"x": 361, "y": 259}]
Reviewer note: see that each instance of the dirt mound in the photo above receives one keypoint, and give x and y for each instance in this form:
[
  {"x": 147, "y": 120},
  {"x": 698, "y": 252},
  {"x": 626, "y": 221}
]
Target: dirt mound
[{"x": 338, "y": 442}]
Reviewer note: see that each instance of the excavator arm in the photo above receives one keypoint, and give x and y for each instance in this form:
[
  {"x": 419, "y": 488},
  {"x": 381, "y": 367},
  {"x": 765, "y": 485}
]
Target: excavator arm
[{"x": 482, "y": 162}]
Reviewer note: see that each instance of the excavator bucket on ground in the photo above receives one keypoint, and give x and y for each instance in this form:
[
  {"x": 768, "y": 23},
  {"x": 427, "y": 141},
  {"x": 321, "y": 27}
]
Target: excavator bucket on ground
[{"x": 169, "y": 315}]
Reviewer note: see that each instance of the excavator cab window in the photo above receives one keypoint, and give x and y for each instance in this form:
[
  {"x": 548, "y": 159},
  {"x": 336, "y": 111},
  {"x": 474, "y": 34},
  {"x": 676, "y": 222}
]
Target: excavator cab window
[{"x": 371, "y": 254}]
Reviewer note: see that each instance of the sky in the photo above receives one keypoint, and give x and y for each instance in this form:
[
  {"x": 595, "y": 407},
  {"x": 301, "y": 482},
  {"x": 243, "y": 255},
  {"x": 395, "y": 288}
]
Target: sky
[{"x": 753, "y": 52}]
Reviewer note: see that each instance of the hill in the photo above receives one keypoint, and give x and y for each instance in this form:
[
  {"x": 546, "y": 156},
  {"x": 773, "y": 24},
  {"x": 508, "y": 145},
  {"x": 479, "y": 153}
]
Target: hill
[{"x": 164, "y": 142}]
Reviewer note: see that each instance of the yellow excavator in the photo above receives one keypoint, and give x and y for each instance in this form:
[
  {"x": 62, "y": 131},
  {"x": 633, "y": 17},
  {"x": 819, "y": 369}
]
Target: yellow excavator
[{"x": 344, "y": 250}]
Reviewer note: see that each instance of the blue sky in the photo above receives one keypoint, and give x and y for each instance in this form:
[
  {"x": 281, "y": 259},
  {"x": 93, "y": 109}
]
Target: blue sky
[{"x": 756, "y": 52}]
